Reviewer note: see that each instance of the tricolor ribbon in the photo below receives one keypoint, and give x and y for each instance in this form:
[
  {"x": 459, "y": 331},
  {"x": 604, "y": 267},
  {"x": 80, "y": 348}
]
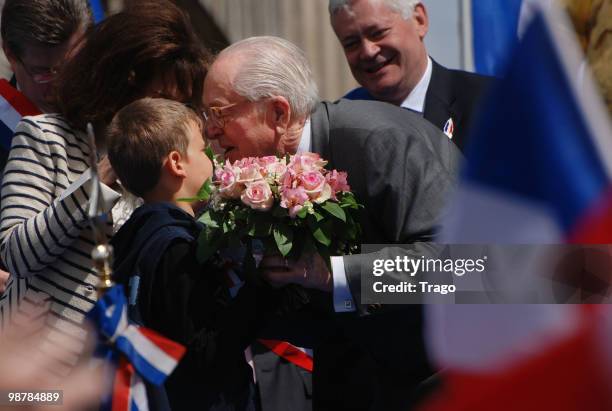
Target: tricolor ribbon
[
  {"x": 136, "y": 354},
  {"x": 13, "y": 106},
  {"x": 301, "y": 357},
  {"x": 296, "y": 355}
]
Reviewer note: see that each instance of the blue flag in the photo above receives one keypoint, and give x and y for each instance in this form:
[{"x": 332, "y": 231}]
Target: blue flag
[{"x": 494, "y": 25}]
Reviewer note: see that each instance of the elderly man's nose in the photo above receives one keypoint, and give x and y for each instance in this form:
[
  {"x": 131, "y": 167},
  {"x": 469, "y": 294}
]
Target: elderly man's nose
[{"x": 213, "y": 131}]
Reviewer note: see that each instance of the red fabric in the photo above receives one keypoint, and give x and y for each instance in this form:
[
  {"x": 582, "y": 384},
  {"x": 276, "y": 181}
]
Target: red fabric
[
  {"x": 173, "y": 349},
  {"x": 16, "y": 99},
  {"x": 289, "y": 352},
  {"x": 595, "y": 227},
  {"x": 569, "y": 376},
  {"x": 121, "y": 389}
]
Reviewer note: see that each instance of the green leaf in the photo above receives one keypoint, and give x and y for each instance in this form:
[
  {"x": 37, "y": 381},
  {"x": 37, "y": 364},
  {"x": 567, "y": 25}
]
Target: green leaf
[
  {"x": 283, "y": 236},
  {"x": 303, "y": 212},
  {"x": 318, "y": 216},
  {"x": 347, "y": 200},
  {"x": 208, "y": 219},
  {"x": 322, "y": 235},
  {"x": 228, "y": 226},
  {"x": 334, "y": 209},
  {"x": 210, "y": 153},
  {"x": 203, "y": 193}
]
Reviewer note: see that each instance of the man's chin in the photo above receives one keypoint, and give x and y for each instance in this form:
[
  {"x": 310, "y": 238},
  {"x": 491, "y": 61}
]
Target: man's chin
[{"x": 383, "y": 86}]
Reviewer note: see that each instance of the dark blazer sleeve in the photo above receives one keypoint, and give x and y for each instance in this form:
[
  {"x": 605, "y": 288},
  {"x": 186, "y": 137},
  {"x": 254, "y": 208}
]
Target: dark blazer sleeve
[{"x": 408, "y": 177}]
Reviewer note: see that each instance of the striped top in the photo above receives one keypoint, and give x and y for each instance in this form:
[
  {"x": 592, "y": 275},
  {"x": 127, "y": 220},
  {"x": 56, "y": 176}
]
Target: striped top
[{"x": 45, "y": 239}]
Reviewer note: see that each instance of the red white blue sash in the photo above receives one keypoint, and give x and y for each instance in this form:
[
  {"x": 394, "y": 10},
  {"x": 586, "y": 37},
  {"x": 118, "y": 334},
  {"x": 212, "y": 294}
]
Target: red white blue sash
[{"x": 136, "y": 354}]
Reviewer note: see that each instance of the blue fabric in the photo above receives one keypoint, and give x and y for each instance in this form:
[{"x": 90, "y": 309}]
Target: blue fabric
[
  {"x": 97, "y": 10},
  {"x": 494, "y": 24},
  {"x": 6, "y": 136},
  {"x": 532, "y": 140},
  {"x": 359, "y": 93}
]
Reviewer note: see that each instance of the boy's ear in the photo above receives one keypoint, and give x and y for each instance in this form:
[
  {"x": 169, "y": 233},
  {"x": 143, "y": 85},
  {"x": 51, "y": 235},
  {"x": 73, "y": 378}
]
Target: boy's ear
[{"x": 174, "y": 164}]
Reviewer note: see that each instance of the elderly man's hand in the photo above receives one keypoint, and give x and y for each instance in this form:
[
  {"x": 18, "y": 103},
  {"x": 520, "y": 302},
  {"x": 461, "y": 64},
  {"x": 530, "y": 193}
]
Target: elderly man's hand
[
  {"x": 309, "y": 271},
  {"x": 4, "y": 277}
]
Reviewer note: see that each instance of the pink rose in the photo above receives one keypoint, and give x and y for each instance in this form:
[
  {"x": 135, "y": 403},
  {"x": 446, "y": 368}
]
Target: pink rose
[
  {"x": 229, "y": 187},
  {"x": 304, "y": 162},
  {"x": 293, "y": 200},
  {"x": 245, "y": 162},
  {"x": 337, "y": 182},
  {"x": 258, "y": 195},
  {"x": 267, "y": 160},
  {"x": 311, "y": 180},
  {"x": 288, "y": 180},
  {"x": 276, "y": 170},
  {"x": 315, "y": 185},
  {"x": 250, "y": 173}
]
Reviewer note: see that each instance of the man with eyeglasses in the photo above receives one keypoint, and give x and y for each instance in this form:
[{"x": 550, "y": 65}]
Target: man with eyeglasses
[
  {"x": 37, "y": 36},
  {"x": 261, "y": 99}
]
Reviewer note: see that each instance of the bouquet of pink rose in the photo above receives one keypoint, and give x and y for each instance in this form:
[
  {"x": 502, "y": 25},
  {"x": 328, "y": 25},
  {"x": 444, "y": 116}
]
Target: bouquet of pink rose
[{"x": 290, "y": 203}]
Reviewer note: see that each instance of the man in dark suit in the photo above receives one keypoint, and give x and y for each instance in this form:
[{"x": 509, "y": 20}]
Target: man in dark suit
[
  {"x": 261, "y": 99},
  {"x": 384, "y": 46}
]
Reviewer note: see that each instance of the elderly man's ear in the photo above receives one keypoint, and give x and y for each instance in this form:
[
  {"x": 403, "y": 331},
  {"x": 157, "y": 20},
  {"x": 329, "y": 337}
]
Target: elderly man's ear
[{"x": 279, "y": 111}]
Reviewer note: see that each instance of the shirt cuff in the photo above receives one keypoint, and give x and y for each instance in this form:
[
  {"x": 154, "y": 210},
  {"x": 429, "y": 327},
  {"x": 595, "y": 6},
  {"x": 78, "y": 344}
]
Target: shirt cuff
[{"x": 343, "y": 300}]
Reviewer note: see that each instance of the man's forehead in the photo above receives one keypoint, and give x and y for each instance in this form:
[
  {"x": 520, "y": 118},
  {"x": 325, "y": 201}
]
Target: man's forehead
[
  {"x": 37, "y": 54},
  {"x": 367, "y": 14},
  {"x": 217, "y": 88}
]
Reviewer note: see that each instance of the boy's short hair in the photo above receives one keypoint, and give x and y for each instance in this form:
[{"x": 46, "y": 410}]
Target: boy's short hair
[{"x": 140, "y": 137}]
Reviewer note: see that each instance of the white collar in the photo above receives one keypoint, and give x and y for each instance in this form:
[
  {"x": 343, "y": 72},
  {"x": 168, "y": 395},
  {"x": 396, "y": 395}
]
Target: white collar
[
  {"x": 306, "y": 138},
  {"x": 416, "y": 99}
]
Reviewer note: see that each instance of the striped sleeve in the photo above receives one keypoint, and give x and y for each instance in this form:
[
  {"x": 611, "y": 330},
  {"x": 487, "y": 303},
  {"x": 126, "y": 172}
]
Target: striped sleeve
[{"x": 35, "y": 225}]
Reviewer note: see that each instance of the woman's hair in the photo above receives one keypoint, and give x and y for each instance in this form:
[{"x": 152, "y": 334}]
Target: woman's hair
[{"x": 149, "y": 49}]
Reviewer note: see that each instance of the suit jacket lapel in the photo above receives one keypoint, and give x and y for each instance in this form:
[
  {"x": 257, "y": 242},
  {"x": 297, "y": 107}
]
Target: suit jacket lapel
[{"x": 440, "y": 99}]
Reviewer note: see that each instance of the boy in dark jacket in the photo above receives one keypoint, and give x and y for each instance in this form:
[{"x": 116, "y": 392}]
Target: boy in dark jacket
[{"x": 156, "y": 147}]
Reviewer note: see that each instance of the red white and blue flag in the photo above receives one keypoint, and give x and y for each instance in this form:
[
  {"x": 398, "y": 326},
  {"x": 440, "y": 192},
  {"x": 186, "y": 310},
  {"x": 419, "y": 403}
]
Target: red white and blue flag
[
  {"x": 13, "y": 106},
  {"x": 134, "y": 354},
  {"x": 538, "y": 171}
]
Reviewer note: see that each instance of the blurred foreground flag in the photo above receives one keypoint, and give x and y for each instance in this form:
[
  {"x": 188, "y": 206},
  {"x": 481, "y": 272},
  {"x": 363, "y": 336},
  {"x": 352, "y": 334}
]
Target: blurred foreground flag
[
  {"x": 496, "y": 27},
  {"x": 538, "y": 172},
  {"x": 494, "y": 33}
]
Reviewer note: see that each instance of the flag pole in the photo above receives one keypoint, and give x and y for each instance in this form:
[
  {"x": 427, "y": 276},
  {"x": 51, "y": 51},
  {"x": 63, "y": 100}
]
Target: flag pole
[{"x": 102, "y": 253}]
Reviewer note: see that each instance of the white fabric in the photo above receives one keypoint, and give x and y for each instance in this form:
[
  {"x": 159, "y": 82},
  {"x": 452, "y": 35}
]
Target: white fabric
[
  {"x": 343, "y": 300},
  {"x": 416, "y": 99},
  {"x": 306, "y": 138}
]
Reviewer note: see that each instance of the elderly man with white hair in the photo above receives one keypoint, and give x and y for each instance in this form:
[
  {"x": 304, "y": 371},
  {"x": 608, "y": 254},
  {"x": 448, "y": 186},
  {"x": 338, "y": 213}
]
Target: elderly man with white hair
[
  {"x": 261, "y": 99},
  {"x": 383, "y": 41}
]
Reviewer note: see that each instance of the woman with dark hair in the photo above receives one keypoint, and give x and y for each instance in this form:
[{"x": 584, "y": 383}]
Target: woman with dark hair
[{"x": 148, "y": 50}]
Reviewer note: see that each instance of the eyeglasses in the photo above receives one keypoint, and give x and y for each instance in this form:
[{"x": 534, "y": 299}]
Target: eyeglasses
[
  {"x": 213, "y": 116},
  {"x": 40, "y": 76}
]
